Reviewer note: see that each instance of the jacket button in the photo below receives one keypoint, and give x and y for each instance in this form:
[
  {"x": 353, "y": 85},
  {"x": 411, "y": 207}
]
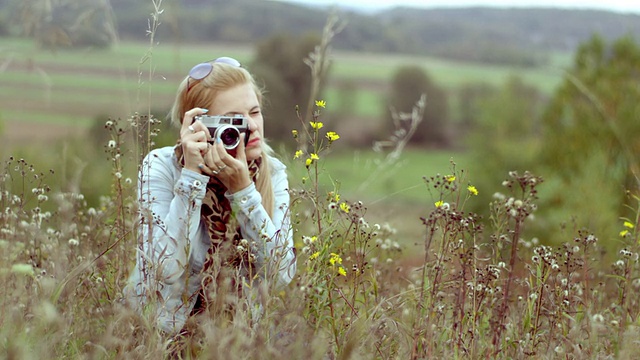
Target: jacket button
[
  {"x": 197, "y": 183},
  {"x": 244, "y": 199}
]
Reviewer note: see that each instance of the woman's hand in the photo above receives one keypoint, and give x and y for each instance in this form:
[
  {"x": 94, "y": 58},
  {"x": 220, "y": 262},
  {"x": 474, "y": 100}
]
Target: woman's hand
[
  {"x": 233, "y": 172},
  {"x": 194, "y": 137}
]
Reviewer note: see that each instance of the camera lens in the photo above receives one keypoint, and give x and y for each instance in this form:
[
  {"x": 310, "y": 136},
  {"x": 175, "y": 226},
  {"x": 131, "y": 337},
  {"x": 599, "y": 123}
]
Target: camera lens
[{"x": 229, "y": 136}]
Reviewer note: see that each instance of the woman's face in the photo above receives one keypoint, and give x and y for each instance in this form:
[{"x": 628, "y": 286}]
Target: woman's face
[{"x": 242, "y": 99}]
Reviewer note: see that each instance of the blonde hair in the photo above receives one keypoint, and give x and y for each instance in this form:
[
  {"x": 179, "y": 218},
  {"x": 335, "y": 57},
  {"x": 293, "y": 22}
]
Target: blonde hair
[{"x": 202, "y": 93}]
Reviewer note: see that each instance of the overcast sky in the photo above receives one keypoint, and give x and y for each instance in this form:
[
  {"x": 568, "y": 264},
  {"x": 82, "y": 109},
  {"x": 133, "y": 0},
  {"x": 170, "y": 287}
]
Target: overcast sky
[{"x": 631, "y": 6}]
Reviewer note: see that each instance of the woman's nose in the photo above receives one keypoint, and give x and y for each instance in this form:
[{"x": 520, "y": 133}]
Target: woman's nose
[{"x": 252, "y": 124}]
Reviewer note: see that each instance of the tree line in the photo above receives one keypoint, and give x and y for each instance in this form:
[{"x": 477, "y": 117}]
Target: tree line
[{"x": 515, "y": 36}]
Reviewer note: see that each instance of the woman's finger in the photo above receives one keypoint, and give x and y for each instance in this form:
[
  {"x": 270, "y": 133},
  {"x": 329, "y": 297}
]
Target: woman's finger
[
  {"x": 193, "y": 152},
  {"x": 197, "y": 137},
  {"x": 207, "y": 170},
  {"x": 213, "y": 158},
  {"x": 188, "y": 119},
  {"x": 198, "y": 127}
]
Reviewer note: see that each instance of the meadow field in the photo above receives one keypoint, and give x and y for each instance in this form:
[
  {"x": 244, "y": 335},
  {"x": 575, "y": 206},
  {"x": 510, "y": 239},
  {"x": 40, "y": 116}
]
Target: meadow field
[
  {"x": 70, "y": 87},
  {"x": 392, "y": 264}
]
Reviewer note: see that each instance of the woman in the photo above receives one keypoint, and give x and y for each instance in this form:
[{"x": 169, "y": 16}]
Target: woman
[{"x": 213, "y": 217}]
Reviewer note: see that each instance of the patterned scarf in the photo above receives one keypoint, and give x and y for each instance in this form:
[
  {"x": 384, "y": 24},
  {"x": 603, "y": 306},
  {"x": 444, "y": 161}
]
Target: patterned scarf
[{"x": 229, "y": 254}]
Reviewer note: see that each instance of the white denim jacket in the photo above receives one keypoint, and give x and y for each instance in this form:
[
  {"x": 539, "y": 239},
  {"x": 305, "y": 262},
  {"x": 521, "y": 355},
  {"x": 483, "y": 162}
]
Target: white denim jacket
[{"x": 170, "y": 200}]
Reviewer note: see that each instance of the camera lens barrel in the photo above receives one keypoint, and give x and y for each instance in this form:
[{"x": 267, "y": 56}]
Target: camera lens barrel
[{"x": 228, "y": 135}]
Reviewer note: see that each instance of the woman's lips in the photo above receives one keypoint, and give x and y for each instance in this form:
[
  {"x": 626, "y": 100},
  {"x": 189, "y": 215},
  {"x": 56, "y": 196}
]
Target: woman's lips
[{"x": 253, "y": 142}]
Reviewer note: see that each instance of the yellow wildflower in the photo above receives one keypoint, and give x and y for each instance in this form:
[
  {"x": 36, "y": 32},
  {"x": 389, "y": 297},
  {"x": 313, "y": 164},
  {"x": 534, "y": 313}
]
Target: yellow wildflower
[
  {"x": 628, "y": 225},
  {"x": 314, "y": 156},
  {"x": 472, "y": 189},
  {"x": 314, "y": 255},
  {"x": 342, "y": 271},
  {"x": 439, "y": 203},
  {"x": 321, "y": 103},
  {"x": 335, "y": 259},
  {"x": 344, "y": 207},
  {"x": 308, "y": 162},
  {"x": 294, "y": 133},
  {"x": 316, "y": 125},
  {"x": 298, "y": 154},
  {"x": 451, "y": 178},
  {"x": 624, "y": 233},
  {"x": 332, "y": 136}
]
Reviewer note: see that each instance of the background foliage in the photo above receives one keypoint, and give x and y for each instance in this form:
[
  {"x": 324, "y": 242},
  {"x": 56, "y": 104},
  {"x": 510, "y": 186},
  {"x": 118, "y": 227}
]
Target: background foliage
[{"x": 406, "y": 87}]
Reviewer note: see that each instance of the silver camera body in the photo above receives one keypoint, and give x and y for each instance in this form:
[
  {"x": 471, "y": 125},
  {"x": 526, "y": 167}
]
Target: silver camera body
[{"x": 226, "y": 129}]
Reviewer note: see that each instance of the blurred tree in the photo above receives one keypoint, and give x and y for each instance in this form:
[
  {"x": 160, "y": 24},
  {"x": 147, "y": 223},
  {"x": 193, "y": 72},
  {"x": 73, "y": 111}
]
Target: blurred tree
[
  {"x": 597, "y": 108},
  {"x": 279, "y": 66},
  {"x": 407, "y": 85},
  {"x": 469, "y": 101},
  {"x": 592, "y": 131},
  {"x": 505, "y": 136}
]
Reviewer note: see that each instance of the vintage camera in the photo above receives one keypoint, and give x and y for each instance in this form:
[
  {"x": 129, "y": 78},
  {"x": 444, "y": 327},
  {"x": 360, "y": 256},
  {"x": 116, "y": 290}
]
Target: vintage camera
[{"x": 226, "y": 129}]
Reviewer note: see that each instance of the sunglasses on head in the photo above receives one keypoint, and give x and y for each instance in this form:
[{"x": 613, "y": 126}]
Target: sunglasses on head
[{"x": 201, "y": 70}]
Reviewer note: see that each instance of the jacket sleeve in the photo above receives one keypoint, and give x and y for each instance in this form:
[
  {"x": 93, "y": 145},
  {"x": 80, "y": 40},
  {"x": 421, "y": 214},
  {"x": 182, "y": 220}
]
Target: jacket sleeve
[
  {"x": 271, "y": 238},
  {"x": 171, "y": 220}
]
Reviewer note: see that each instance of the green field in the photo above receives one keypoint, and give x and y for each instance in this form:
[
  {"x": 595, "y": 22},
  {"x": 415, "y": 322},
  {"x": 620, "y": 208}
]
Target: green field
[
  {"x": 448, "y": 73},
  {"x": 73, "y": 86},
  {"x": 360, "y": 174},
  {"x": 395, "y": 193}
]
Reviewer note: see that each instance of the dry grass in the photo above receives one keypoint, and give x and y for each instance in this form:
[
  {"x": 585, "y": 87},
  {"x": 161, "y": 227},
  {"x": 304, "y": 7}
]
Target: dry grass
[{"x": 480, "y": 289}]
